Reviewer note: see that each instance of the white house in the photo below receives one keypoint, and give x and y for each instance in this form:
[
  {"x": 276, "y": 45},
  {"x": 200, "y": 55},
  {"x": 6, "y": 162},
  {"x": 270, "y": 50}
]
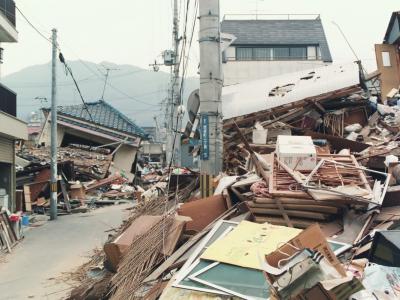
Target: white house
[{"x": 265, "y": 48}]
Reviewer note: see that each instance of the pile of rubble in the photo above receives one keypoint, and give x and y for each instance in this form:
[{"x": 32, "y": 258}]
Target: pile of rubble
[
  {"x": 87, "y": 179},
  {"x": 308, "y": 206}
]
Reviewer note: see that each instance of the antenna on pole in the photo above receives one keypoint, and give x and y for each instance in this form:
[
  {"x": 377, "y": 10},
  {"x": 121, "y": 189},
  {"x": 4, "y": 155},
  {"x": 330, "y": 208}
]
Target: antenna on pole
[
  {"x": 347, "y": 41},
  {"x": 108, "y": 70},
  {"x": 257, "y": 8}
]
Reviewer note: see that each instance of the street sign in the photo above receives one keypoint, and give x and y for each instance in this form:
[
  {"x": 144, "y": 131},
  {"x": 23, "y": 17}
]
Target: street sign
[{"x": 205, "y": 140}]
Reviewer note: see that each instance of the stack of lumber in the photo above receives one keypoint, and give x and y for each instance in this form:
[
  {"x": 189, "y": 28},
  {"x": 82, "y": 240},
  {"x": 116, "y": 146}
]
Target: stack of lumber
[{"x": 287, "y": 197}]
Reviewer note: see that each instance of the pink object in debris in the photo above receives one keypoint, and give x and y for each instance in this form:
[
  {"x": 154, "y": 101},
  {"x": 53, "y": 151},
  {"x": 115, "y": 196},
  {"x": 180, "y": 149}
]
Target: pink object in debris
[{"x": 260, "y": 188}]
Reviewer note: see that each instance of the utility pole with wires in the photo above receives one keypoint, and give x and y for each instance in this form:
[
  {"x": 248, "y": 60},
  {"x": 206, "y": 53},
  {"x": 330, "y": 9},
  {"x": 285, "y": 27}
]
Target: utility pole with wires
[
  {"x": 108, "y": 70},
  {"x": 210, "y": 93},
  {"x": 54, "y": 175},
  {"x": 173, "y": 141}
]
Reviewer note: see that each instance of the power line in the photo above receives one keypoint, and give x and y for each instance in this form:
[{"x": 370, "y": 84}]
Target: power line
[
  {"x": 185, "y": 64},
  {"x": 62, "y": 59},
  {"x": 33, "y": 26},
  {"x": 82, "y": 62},
  {"x": 108, "y": 84},
  {"x": 66, "y": 83}
]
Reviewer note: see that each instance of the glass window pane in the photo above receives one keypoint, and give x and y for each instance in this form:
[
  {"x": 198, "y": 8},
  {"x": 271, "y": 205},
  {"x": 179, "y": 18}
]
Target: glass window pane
[
  {"x": 262, "y": 53},
  {"x": 237, "y": 280},
  {"x": 312, "y": 52},
  {"x": 244, "y": 53},
  {"x": 386, "y": 59},
  {"x": 319, "y": 52},
  {"x": 298, "y": 53},
  {"x": 281, "y": 53}
]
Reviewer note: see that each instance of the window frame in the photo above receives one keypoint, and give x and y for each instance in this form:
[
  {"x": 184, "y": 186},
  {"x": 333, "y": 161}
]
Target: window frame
[{"x": 274, "y": 46}]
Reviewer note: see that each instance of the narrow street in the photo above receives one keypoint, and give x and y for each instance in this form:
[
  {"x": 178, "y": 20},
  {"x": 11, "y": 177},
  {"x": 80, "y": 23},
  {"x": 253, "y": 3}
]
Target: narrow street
[{"x": 33, "y": 269}]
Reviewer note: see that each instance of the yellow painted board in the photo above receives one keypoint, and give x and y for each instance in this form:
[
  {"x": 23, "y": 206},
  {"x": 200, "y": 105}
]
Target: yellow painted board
[
  {"x": 249, "y": 241},
  {"x": 171, "y": 293}
]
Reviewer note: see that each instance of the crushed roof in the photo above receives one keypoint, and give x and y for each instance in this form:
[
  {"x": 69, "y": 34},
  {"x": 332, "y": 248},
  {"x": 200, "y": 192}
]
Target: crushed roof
[
  {"x": 279, "y": 32},
  {"x": 103, "y": 114}
]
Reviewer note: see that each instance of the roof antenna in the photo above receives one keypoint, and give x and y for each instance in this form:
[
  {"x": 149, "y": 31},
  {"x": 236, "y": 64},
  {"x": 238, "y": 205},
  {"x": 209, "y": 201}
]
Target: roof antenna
[
  {"x": 362, "y": 70},
  {"x": 347, "y": 41},
  {"x": 108, "y": 70},
  {"x": 257, "y": 8}
]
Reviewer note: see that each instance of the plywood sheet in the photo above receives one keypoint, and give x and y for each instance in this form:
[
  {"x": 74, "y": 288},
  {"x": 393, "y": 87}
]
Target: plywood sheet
[{"x": 247, "y": 241}]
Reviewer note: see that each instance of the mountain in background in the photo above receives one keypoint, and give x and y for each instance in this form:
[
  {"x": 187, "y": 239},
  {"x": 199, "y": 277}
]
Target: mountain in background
[{"x": 136, "y": 92}]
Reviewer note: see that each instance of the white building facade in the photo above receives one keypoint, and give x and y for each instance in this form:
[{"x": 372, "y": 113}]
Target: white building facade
[{"x": 265, "y": 48}]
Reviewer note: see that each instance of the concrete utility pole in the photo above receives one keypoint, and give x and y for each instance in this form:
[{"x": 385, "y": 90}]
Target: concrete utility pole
[
  {"x": 54, "y": 175},
  {"x": 174, "y": 97},
  {"x": 210, "y": 92}
]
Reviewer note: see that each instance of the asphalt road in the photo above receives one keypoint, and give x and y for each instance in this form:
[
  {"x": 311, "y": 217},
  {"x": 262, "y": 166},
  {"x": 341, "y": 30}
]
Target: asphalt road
[{"x": 33, "y": 270}]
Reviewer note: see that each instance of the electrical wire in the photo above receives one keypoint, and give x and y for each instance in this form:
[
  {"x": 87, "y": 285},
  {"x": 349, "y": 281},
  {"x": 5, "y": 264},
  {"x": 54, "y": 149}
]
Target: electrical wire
[
  {"x": 69, "y": 70},
  {"x": 196, "y": 7},
  {"x": 33, "y": 26}
]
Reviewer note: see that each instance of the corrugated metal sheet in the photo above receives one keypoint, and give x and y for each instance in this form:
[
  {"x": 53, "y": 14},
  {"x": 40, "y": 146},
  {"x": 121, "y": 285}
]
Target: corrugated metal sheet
[{"x": 6, "y": 150}]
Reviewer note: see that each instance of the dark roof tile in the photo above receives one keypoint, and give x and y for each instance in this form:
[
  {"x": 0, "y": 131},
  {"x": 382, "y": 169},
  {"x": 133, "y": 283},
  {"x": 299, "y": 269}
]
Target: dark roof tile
[
  {"x": 103, "y": 114},
  {"x": 279, "y": 32}
]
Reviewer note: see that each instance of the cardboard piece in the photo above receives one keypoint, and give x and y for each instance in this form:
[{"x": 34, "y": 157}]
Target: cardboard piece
[
  {"x": 311, "y": 238},
  {"x": 116, "y": 249},
  {"x": 203, "y": 211},
  {"x": 175, "y": 232},
  {"x": 77, "y": 191}
]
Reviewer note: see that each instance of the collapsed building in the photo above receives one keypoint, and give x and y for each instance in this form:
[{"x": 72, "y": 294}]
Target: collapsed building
[{"x": 97, "y": 124}]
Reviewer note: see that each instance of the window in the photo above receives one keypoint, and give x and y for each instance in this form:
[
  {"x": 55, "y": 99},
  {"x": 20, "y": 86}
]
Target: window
[
  {"x": 244, "y": 53},
  {"x": 281, "y": 53},
  {"x": 311, "y": 52},
  {"x": 298, "y": 53},
  {"x": 262, "y": 53},
  {"x": 386, "y": 59}
]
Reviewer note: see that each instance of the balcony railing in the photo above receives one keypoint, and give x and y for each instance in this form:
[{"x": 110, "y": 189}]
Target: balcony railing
[
  {"x": 7, "y": 7},
  {"x": 8, "y": 101}
]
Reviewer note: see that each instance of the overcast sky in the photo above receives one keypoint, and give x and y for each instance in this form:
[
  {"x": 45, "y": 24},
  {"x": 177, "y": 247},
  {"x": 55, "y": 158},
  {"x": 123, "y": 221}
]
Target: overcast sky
[{"x": 135, "y": 32}]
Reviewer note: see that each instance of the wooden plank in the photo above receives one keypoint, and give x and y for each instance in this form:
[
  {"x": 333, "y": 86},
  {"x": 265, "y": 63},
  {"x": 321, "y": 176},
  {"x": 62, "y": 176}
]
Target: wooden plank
[
  {"x": 65, "y": 195},
  {"x": 298, "y": 223},
  {"x": 362, "y": 175},
  {"x": 284, "y": 108},
  {"x": 28, "y": 200},
  {"x": 292, "y": 213},
  {"x": 4, "y": 218},
  {"x": 298, "y": 207},
  {"x": 6, "y": 236},
  {"x": 263, "y": 174}
]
